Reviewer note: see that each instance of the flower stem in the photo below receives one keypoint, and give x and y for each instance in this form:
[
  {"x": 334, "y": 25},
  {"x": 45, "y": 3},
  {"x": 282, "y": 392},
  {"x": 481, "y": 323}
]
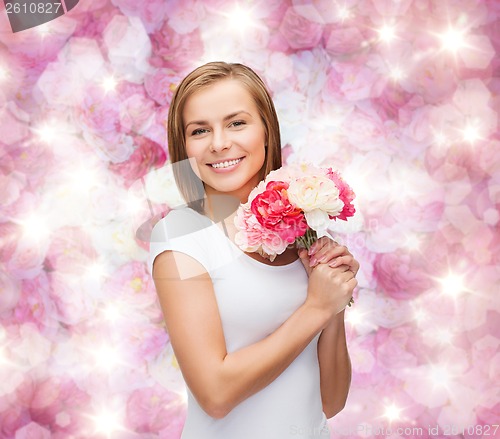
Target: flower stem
[{"x": 306, "y": 240}]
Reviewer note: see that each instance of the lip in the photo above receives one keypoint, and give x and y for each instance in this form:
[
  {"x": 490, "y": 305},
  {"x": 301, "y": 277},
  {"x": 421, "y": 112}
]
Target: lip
[
  {"x": 222, "y": 161},
  {"x": 229, "y": 169}
]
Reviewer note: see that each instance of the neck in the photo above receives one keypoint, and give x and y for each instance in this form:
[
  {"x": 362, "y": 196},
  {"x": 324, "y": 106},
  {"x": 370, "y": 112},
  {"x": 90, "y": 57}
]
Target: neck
[{"x": 219, "y": 207}]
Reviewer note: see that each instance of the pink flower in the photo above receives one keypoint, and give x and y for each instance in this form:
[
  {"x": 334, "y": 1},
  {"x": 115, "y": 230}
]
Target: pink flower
[
  {"x": 35, "y": 305},
  {"x": 150, "y": 342},
  {"x": 433, "y": 80},
  {"x": 91, "y": 24},
  {"x": 56, "y": 402},
  {"x": 10, "y": 292},
  {"x": 148, "y": 155},
  {"x": 27, "y": 260},
  {"x": 344, "y": 40},
  {"x": 390, "y": 8},
  {"x": 136, "y": 113},
  {"x": 365, "y": 128},
  {"x": 112, "y": 146},
  {"x": 157, "y": 130},
  {"x": 33, "y": 162},
  {"x": 488, "y": 415},
  {"x": 152, "y": 409},
  {"x": 401, "y": 275},
  {"x": 332, "y": 90},
  {"x": 33, "y": 431},
  {"x": 273, "y": 210},
  {"x": 174, "y": 429},
  {"x": 10, "y": 234},
  {"x": 29, "y": 47},
  {"x": 393, "y": 353},
  {"x": 100, "y": 112},
  {"x": 70, "y": 251},
  {"x": 131, "y": 285},
  {"x": 360, "y": 82},
  {"x": 185, "y": 16},
  {"x": 73, "y": 301},
  {"x": 11, "y": 181},
  {"x": 346, "y": 194},
  {"x": 14, "y": 123},
  {"x": 299, "y": 31},
  {"x": 152, "y": 13},
  {"x": 128, "y": 47},
  {"x": 253, "y": 237},
  {"x": 161, "y": 85},
  {"x": 290, "y": 205},
  {"x": 279, "y": 67},
  {"x": 12, "y": 415},
  {"x": 176, "y": 51}
]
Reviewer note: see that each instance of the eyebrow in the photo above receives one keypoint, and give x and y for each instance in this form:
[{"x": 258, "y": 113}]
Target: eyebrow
[{"x": 229, "y": 116}]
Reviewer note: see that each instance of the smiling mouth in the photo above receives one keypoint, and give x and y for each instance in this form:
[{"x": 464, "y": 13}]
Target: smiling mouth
[{"x": 225, "y": 164}]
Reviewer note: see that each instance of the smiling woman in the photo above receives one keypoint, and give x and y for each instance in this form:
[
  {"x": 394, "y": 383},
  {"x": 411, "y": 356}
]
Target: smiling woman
[
  {"x": 246, "y": 333},
  {"x": 226, "y": 131},
  {"x": 255, "y": 108}
]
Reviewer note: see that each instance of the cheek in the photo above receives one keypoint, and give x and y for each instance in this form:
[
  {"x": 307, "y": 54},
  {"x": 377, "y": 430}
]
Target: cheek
[
  {"x": 189, "y": 149},
  {"x": 257, "y": 140},
  {"x": 194, "y": 149}
]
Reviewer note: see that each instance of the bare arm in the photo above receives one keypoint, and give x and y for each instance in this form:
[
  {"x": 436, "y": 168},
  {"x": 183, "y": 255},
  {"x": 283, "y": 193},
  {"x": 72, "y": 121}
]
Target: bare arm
[
  {"x": 335, "y": 366},
  {"x": 333, "y": 356},
  {"x": 218, "y": 380}
]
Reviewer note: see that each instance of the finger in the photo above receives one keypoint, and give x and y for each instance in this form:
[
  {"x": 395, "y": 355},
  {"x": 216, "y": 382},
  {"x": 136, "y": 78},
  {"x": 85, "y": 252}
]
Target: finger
[
  {"x": 341, "y": 269},
  {"x": 349, "y": 260},
  {"x": 355, "y": 267},
  {"x": 352, "y": 283},
  {"x": 321, "y": 243},
  {"x": 348, "y": 274},
  {"x": 340, "y": 260},
  {"x": 326, "y": 255},
  {"x": 304, "y": 258}
]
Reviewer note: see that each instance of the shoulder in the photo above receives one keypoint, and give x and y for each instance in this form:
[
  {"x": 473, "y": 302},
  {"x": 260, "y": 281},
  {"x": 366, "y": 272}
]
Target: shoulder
[
  {"x": 181, "y": 230},
  {"x": 179, "y": 222}
]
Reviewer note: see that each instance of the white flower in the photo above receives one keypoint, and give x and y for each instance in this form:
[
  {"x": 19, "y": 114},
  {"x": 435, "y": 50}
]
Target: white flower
[
  {"x": 318, "y": 197},
  {"x": 315, "y": 192},
  {"x": 318, "y": 220}
]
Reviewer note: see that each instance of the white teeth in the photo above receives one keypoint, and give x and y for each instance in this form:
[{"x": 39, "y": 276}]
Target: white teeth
[{"x": 225, "y": 164}]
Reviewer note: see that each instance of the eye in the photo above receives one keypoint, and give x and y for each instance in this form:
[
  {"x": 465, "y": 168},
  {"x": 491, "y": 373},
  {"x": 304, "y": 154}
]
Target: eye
[
  {"x": 198, "y": 131},
  {"x": 237, "y": 123}
]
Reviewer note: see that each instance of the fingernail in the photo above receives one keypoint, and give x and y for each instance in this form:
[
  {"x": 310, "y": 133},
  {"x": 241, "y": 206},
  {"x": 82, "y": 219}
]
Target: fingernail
[
  {"x": 310, "y": 251},
  {"x": 334, "y": 263},
  {"x": 312, "y": 261}
]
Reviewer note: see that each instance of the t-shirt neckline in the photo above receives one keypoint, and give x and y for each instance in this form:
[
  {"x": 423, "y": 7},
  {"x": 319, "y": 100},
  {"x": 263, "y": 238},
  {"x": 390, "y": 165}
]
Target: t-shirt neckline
[{"x": 246, "y": 256}]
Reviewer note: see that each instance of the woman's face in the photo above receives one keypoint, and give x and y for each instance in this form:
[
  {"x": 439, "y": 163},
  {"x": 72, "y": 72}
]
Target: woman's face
[{"x": 222, "y": 127}]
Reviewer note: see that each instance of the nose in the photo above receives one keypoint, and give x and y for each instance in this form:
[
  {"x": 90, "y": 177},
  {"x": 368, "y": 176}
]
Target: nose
[{"x": 219, "y": 141}]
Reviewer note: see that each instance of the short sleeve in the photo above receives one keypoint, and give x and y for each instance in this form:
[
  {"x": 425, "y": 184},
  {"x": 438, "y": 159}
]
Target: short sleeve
[{"x": 182, "y": 232}]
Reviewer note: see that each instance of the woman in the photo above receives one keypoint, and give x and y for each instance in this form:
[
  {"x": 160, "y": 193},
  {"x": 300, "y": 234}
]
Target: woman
[{"x": 261, "y": 345}]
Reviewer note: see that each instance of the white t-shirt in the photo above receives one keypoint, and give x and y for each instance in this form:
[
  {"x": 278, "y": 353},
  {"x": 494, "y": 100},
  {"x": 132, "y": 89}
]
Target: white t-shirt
[{"x": 254, "y": 299}]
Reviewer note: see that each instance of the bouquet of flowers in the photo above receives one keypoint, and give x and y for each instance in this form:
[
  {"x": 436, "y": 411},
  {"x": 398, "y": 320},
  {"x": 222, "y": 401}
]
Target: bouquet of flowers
[{"x": 293, "y": 205}]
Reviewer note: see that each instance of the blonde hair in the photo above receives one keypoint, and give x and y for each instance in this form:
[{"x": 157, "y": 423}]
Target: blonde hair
[{"x": 190, "y": 186}]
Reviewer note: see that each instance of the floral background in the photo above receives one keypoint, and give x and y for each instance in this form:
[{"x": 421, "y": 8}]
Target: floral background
[{"x": 401, "y": 96}]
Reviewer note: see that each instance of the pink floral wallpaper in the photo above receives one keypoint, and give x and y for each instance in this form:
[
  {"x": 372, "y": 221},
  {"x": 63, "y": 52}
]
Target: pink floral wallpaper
[{"x": 401, "y": 96}]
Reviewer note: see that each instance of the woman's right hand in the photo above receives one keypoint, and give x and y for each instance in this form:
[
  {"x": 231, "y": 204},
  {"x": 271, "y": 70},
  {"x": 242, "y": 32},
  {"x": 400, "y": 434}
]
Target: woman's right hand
[{"x": 329, "y": 288}]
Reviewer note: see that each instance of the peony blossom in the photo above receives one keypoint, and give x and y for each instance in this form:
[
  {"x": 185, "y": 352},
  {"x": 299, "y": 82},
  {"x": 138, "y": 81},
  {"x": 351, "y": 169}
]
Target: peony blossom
[
  {"x": 274, "y": 211},
  {"x": 318, "y": 197},
  {"x": 290, "y": 206}
]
